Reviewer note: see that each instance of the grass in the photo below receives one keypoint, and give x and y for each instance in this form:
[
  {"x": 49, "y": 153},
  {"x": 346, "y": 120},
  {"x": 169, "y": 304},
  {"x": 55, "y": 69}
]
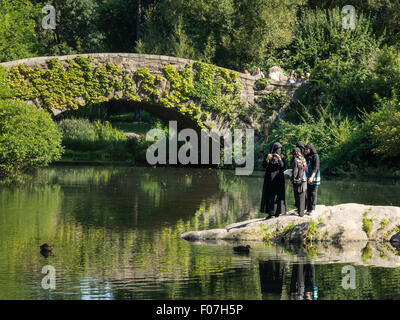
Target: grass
[
  {"x": 366, "y": 254},
  {"x": 384, "y": 223},
  {"x": 312, "y": 230},
  {"x": 388, "y": 233},
  {"x": 287, "y": 230},
  {"x": 367, "y": 224},
  {"x": 137, "y": 127},
  {"x": 115, "y": 152},
  {"x": 94, "y": 141},
  {"x": 267, "y": 236}
]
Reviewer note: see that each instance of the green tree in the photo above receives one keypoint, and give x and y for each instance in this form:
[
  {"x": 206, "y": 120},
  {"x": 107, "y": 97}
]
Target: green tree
[
  {"x": 236, "y": 33},
  {"x": 384, "y": 125},
  {"x": 341, "y": 60},
  {"x": 17, "y": 29},
  {"x": 76, "y": 28},
  {"x": 385, "y": 14},
  {"x": 119, "y": 21},
  {"x": 261, "y": 28}
]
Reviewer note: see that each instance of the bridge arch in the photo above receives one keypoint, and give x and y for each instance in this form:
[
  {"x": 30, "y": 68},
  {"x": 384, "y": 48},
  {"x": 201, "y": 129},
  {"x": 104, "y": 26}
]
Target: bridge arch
[{"x": 198, "y": 94}]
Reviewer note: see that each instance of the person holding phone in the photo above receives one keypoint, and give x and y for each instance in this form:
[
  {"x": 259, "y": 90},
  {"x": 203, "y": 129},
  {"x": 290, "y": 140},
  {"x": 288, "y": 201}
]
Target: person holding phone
[{"x": 273, "y": 201}]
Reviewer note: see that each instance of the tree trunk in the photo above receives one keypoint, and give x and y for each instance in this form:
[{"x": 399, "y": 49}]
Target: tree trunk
[{"x": 138, "y": 19}]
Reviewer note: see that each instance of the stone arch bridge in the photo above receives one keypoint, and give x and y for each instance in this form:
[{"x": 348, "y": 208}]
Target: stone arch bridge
[{"x": 196, "y": 94}]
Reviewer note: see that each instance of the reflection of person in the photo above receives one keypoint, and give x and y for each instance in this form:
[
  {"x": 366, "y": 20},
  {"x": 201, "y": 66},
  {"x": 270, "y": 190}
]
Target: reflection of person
[
  {"x": 273, "y": 194},
  {"x": 313, "y": 178},
  {"x": 302, "y": 284},
  {"x": 271, "y": 278},
  {"x": 299, "y": 181}
]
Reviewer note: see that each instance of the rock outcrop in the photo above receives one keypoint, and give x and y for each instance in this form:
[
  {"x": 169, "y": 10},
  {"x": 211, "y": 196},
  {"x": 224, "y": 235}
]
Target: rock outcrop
[
  {"x": 336, "y": 224},
  {"x": 276, "y": 74}
]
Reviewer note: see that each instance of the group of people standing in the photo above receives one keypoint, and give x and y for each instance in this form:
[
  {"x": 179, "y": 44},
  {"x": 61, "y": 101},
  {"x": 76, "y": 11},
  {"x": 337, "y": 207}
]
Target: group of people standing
[
  {"x": 304, "y": 175},
  {"x": 293, "y": 78}
]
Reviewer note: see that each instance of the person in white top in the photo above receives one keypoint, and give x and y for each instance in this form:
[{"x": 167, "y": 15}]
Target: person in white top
[
  {"x": 258, "y": 74},
  {"x": 292, "y": 78}
]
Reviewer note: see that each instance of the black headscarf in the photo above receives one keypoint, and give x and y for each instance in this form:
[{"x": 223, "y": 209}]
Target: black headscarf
[
  {"x": 296, "y": 150},
  {"x": 302, "y": 147},
  {"x": 312, "y": 149},
  {"x": 313, "y": 157},
  {"x": 276, "y": 148}
]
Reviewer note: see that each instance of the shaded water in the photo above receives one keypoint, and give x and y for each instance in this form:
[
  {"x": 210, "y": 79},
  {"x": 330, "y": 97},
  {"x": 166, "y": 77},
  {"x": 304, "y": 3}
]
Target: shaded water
[{"x": 116, "y": 236}]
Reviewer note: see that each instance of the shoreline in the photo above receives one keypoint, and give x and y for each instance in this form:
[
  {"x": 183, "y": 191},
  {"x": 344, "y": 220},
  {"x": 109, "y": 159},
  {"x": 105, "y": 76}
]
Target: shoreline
[
  {"x": 128, "y": 164},
  {"x": 335, "y": 224}
]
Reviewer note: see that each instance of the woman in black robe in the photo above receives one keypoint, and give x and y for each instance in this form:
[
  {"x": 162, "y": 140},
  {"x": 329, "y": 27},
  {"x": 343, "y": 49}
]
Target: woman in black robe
[{"x": 273, "y": 196}]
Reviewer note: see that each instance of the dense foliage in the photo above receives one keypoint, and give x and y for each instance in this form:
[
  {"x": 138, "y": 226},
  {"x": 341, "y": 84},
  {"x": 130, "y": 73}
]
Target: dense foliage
[
  {"x": 17, "y": 29},
  {"x": 355, "y": 73},
  {"x": 28, "y": 137}
]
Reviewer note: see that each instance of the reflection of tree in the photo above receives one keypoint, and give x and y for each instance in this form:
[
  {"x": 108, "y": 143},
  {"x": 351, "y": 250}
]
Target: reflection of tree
[
  {"x": 28, "y": 215},
  {"x": 112, "y": 241},
  {"x": 130, "y": 196}
]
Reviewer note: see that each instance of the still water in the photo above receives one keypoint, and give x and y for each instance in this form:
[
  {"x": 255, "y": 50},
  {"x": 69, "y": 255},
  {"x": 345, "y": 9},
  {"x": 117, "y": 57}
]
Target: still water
[{"x": 116, "y": 236}]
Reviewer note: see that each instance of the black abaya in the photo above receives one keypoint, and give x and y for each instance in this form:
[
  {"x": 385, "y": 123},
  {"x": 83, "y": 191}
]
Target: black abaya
[{"x": 273, "y": 195}]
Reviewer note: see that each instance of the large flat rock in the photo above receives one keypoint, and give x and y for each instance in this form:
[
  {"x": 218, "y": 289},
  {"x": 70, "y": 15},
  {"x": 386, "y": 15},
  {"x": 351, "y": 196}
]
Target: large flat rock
[{"x": 337, "y": 224}]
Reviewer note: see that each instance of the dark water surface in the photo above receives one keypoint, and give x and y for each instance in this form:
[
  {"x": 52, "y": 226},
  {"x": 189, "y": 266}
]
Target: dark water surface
[{"x": 116, "y": 236}]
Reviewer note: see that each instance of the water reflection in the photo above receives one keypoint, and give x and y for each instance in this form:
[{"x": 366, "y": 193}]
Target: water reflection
[
  {"x": 280, "y": 280},
  {"x": 116, "y": 236}
]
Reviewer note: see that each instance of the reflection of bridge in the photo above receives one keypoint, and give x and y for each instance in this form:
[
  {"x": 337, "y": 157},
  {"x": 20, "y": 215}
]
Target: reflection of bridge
[{"x": 75, "y": 82}]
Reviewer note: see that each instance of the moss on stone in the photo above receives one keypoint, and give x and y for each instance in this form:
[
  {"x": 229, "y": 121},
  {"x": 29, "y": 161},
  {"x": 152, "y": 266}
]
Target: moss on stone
[{"x": 196, "y": 91}]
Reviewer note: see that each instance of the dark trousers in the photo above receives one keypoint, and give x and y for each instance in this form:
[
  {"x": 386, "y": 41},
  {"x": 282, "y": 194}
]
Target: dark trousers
[
  {"x": 300, "y": 200},
  {"x": 276, "y": 206},
  {"x": 312, "y": 192}
]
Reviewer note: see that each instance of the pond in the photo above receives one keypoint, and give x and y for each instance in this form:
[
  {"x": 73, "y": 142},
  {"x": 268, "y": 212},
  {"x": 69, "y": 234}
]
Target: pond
[{"x": 116, "y": 235}]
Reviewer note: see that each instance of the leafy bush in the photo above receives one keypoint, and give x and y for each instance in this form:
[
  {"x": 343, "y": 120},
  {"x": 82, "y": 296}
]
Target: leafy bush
[
  {"x": 5, "y": 91},
  {"x": 84, "y": 130},
  {"x": 28, "y": 137},
  {"x": 322, "y": 45},
  {"x": 77, "y": 129},
  {"x": 384, "y": 125},
  {"x": 340, "y": 60},
  {"x": 339, "y": 141},
  {"x": 107, "y": 133},
  {"x": 262, "y": 83},
  {"x": 274, "y": 101},
  {"x": 99, "y": 141},
  {"x": 386, "y": 72}
]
